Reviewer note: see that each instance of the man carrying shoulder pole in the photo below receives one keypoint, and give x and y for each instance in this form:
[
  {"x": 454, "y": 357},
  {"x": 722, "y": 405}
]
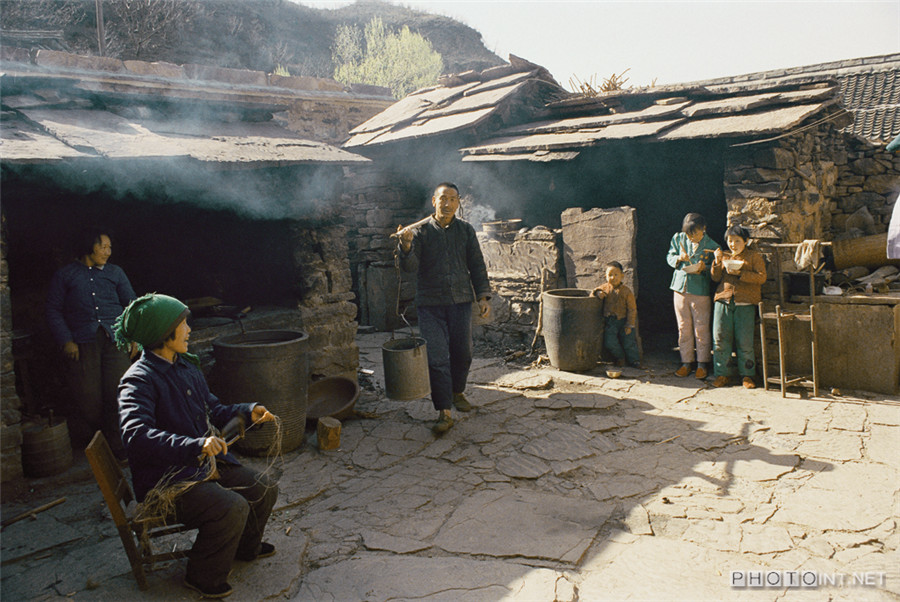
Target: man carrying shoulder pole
[{"x": 445, "y": 253}]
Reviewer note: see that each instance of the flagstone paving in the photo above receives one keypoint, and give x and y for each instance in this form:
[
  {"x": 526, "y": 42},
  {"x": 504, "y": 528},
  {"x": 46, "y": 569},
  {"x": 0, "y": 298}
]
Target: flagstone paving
[{"x": 557, "y": 486}]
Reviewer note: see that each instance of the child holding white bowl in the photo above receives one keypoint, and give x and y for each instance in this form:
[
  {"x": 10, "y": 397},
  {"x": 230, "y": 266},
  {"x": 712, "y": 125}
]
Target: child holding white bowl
[
  {"x": 740, "y": 277},
  {"x": 690, "y": 253}
]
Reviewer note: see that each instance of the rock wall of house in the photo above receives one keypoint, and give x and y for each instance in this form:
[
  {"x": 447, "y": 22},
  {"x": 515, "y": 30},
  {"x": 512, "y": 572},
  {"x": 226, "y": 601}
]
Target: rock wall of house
[
  {"x": 816, "y": 184},
  {"x": 375, "y": 202},
  {"x": 328, "y": 314},
  {"x": 866, "y": 189},
  {"x": 518, "y": 267},
  {"x": 329, "y": 121},
  {"x": 819, "y": 183},
  {"x": 782, "y": 189},
  {"x": 10, "y": 404}
]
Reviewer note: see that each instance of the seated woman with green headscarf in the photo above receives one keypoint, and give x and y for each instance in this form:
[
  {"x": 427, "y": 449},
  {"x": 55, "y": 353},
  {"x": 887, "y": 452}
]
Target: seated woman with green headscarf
[{"x": 170, "y": 421}]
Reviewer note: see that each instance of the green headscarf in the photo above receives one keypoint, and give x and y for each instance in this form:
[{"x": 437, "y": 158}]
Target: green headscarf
[{"x": 148, "y": 320}]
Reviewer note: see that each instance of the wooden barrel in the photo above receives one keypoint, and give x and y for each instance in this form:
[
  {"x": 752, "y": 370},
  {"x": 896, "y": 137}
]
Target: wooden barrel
[
  {"x": 867, "y": 251},
  {"x": 46, "y": 449},
  {"x": 10, "y": 453}
]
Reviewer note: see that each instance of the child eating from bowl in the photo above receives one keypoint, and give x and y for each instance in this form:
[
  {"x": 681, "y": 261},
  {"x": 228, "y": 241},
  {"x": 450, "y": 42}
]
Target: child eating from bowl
[
  {"x": 690, "y": 252},
  {"x": 740, "y": 279}
]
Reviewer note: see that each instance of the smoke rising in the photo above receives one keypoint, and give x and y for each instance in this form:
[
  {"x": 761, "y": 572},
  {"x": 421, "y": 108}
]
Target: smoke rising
[{"x": 293, "y": 192}]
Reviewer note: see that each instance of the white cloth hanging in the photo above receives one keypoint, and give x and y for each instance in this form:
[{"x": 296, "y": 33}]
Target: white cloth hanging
[{"x": 808, "y": 253}]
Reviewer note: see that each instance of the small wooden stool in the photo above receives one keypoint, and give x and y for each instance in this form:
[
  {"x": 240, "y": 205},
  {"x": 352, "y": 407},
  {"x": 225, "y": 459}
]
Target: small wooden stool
[{"x": 328, "y": 431}]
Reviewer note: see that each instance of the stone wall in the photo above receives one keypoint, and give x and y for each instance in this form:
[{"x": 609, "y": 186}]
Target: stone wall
[
  {"x": 325, "y": 310},
  {"x": 518, "y": 266},
  {"x": 867, "y": 186},
  {"x": 328, "y": 314},
  {"x": 375, "y": 202},
  {"x": 10, "y": 404},
  {"x": 329, "y": 120},
  {"x": 782, "y": 189},
  {"x": 819, "y": 183}
]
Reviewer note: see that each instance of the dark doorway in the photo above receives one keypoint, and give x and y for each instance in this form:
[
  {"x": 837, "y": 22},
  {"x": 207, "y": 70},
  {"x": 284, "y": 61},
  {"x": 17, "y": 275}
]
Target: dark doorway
[
  {"x": 662, "y": 182},
  {"x": 164, "y": 244}
]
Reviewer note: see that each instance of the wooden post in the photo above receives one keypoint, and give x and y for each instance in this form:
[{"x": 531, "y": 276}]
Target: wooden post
[
  {"x": 328, "y": 432},
  {"x": 101, "y": 30},
  {"x": 762, "y": 338},
  {"x": 815, "y": 350},
  {"x": 782, "y": 375}
]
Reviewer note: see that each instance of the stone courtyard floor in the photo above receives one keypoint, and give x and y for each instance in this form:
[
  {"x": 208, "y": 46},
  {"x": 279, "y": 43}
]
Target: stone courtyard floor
[{"x": 557, "y": 486}]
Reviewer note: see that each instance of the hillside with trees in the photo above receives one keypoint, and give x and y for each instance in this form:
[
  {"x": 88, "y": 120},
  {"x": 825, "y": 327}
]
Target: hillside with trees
[{"x": 245, "y": 34}]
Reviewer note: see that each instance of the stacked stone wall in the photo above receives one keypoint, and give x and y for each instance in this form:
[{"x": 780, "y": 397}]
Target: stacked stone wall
[
  {"x": 781, "y": 189},
  {"x": 819, "y": 183},
  {"x": 325, "y": 310},
  {"x": 866, "y": 189},
  {"x": 328, "y": 314},
  {"x": 10, "y": 404},
  {"x": 376, "y": 201},
  {"x": 517, "y": 268}
]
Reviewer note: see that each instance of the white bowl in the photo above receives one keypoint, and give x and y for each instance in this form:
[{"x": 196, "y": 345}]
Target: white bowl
[
  {"x": 733, "y": 266},
  {"x": 693, "y": 268}
]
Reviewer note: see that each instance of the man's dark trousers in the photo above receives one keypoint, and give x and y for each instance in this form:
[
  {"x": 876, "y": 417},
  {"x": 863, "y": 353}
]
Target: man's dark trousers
[
  {"x": 447, "y": 330},
  {"x": 230, "y": 514}
]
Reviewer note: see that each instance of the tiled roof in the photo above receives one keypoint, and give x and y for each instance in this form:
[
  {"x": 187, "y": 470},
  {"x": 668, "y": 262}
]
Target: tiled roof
[
  {"x": 870, "y": 90},
  {"x": 688, "y": 114},
  {"x": 505, "y": 116},
  {"x": 861, "y": 95},
  {"x": 874, "y": 100},
  {"x": 460, "y": 102}
]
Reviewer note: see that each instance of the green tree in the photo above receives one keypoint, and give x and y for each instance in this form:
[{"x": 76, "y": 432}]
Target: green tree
[{"x": 403, "y": 62}]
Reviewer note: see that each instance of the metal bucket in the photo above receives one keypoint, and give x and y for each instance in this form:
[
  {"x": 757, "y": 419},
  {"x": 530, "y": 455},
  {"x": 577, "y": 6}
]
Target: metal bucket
[
  {"x": 405, "y": 369},
  {"x": 46, "y": 449},
  {"x": 269, "y": 367},
  {"x": 572, "y": 326}
]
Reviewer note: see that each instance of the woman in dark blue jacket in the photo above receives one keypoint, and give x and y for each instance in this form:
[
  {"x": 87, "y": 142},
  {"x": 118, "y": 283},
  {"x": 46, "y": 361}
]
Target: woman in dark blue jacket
[{"x": 167, "y": 415}]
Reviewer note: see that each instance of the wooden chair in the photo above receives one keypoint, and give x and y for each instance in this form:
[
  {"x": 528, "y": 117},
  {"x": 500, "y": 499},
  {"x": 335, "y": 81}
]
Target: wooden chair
[
  {"x": 801, "y": 313},
  {"x": 783, "y": 379},
  {"x": 135, "y": 534}
]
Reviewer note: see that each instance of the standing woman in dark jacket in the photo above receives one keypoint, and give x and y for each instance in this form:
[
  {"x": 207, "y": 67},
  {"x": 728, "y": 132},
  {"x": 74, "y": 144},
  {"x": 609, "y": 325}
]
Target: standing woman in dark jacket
[{"x": 84, "y": 299}]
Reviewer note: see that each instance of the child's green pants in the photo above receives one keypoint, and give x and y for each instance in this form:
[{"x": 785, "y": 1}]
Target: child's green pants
[{"x": 733, "y": 327}]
